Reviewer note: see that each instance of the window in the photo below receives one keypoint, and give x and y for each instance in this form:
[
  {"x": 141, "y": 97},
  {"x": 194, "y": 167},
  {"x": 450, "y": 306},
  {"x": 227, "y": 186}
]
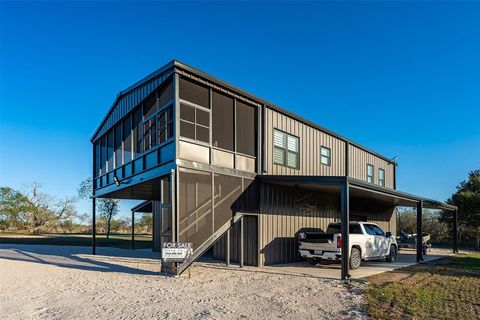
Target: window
[
  {"x": 149, "y": 133},
  {"x": 354, "y": 228},
  {"x": 246, "y": 129},
  {"x": 369, "y": 229},
  {"x": 369, "y": 173},
  {"x": 378, "y": 231},
  {"x": 285, "y": 149},
  {"x": 222, "y": 121},
  {"x": 165, "y": 124},
  {"x": 325, "y": 156},
  {"x": 194, "y": 123},
  {"x": 381, "y": 177}
]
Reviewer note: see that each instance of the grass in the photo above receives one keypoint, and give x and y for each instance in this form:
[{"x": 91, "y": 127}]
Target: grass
[
  {"x": 78, "y": 239},
  {"x": 448, "y": 289}
]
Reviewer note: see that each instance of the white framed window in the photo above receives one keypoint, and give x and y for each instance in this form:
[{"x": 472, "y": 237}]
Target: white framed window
[
  {"x": 370, "y": 169},
  {"x": 325, "y": 156},
  {"x": 286, "y": 149},
  {"x": 381, "y": 177}
]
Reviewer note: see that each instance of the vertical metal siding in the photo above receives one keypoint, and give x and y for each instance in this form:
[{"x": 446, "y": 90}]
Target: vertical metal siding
[
  {"x": 250, "y": 239},
  {"x": 285, "y": 210},
  {"x": 311, "y": 140},
  {"x": 157, "y": 225},
  {"x": 358, "y": 166}
]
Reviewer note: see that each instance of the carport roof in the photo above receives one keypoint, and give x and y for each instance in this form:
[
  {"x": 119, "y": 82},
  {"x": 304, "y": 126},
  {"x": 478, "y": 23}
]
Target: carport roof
[{"x": 358, "y": 188}]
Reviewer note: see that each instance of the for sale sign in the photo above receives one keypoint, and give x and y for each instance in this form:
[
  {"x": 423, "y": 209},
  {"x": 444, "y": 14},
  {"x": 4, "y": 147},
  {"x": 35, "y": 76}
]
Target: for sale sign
[{"x": 177, "y": 251}]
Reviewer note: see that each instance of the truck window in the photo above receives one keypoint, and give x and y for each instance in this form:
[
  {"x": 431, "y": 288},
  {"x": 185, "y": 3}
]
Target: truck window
[
  {"x": 369, "y": 229},
  {"x": 335, "y": 228},
  {"x": 378, "y": 231}
]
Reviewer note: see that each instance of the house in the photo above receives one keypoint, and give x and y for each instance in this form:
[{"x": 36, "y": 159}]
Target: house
[{"x": 222, "y": 168}]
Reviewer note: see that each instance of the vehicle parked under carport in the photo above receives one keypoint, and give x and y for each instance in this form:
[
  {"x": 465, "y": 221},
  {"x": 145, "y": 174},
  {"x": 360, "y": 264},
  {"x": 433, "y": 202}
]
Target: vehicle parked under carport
[{"x": 367, "y": 242}]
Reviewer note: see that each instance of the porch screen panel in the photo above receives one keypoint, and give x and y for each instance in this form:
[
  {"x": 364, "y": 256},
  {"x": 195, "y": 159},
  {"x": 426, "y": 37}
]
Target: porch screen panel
[
  {"x": 227, "y": 189},
  {"x": 110, "y": 150},
  {"x": 246, "y": 129},
  {"x": 194, "y": 93},
  {"x": 127, "y": 140},
  {"x": 195, "y": 209},
  {"x": 165, "y": 94},
  {"x": 222, "y": 121},
  {"x": 137, "y": 132},
  {"x": 118, "y": 146}
]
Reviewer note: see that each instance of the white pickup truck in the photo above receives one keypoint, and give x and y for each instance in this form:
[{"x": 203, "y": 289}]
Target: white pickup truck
[{"x": 367, "y": 242}]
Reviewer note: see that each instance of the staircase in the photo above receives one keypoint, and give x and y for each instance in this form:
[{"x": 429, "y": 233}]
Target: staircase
[{"x": 207, "y": 244}]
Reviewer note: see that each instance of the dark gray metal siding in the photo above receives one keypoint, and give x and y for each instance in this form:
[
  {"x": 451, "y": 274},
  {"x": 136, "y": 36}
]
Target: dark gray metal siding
[
  {"x": 127, "y": 101},
  {"x": 157, "y": 225},
  {"x": 358, "y": 166},
  {"x": 311, "y": 141},
  {"x": 285, "y": 210},
  {"x": 250, "y": 240}
]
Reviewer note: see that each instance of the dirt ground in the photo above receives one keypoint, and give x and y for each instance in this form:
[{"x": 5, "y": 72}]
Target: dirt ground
[{"x": 62, "y": 282}]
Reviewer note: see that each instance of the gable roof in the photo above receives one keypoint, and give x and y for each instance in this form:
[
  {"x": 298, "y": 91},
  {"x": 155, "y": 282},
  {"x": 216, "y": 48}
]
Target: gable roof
[{"x": 176, "y": 65}]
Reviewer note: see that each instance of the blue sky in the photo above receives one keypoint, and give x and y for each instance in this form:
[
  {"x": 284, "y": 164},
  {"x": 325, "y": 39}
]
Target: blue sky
[{"x": 402, "y": 78}]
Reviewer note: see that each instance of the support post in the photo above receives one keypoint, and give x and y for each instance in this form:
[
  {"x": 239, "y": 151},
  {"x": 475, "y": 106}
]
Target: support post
[
  {"x": 94, "y": 227},
  {"x": 241, "y": 242},
  {"x": 455, "y": 231},
  {"x": 419, "y": 231},
  {"x": 227, "y": 248},
  {"x": 345, "y": 223},
  {"x": 133, "y": 230}
]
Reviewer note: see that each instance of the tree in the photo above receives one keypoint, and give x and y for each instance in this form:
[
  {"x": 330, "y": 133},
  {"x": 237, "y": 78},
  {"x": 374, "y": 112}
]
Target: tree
[
  {"x": 107, "y": 208},
  {"x": 467, "y": 199},
  {"x": 13, "y": 206}
]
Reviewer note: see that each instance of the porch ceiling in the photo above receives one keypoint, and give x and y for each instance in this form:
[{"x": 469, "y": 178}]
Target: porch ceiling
[{"x": 358, "y": 189}]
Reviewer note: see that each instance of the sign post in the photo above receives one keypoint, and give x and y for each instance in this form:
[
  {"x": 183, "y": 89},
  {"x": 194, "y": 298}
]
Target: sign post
[{"x": 177, "y": 252}]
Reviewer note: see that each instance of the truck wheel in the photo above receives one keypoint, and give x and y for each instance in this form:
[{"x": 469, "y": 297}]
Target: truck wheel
[
  {"x": 355, "y": 259},
  {"x": 313, "y": 262},
  {"x": 392, "y": 256}
]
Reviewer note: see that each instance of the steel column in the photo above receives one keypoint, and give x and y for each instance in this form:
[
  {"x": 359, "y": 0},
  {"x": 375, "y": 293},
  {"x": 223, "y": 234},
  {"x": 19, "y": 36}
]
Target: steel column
[
  {"x": 227, "y": 248},
  {"x": 345, "y": 223},
  {"x": 455, "y": 231},
  {"x": 94, "y": 227},
  {"x": 419, "y": 231},
  {"x": 241, "y": 242},
  {"x": 133, "y": 230}
]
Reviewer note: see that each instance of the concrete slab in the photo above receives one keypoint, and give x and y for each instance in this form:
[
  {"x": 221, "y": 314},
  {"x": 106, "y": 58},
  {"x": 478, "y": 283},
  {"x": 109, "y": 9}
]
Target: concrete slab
[{"x": 368, "y": 268}]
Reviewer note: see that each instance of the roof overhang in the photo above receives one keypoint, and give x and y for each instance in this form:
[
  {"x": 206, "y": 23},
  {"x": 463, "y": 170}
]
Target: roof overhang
[
  {"x": 358, "y": 189},
  {"x": 143, "y": 207}
]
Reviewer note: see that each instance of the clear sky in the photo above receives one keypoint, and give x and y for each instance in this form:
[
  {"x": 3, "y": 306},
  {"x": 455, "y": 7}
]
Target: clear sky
[{"x": 402, "y": 78}]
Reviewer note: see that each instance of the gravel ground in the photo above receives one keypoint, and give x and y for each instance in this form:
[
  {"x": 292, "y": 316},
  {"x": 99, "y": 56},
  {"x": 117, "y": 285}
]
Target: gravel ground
[{"x": 60, "y": 282}]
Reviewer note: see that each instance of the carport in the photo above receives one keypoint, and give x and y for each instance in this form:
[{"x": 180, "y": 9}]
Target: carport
[{"x": 349, "y": 188}]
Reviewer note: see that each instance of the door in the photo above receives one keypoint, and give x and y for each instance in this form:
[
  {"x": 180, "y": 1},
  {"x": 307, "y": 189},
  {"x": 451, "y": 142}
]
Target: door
[
  {"x": 381, "y": 240},
  {"x": 371, "y": 248}
]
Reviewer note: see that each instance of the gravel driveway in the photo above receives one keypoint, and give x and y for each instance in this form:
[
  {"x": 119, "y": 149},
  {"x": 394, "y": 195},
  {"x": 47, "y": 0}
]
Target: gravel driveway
[{"x": 59, "y": 282}]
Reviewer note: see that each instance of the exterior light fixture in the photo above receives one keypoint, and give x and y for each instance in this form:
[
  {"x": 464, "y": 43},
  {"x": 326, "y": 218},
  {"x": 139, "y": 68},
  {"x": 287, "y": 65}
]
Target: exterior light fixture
[{"x": 117, "y": 182}]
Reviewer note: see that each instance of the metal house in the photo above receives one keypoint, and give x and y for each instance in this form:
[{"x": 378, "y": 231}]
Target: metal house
[{"x": 222, "y": 168}]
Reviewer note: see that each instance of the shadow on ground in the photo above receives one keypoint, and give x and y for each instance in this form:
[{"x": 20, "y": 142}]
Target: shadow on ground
[{"x": 139, "y": 262}]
